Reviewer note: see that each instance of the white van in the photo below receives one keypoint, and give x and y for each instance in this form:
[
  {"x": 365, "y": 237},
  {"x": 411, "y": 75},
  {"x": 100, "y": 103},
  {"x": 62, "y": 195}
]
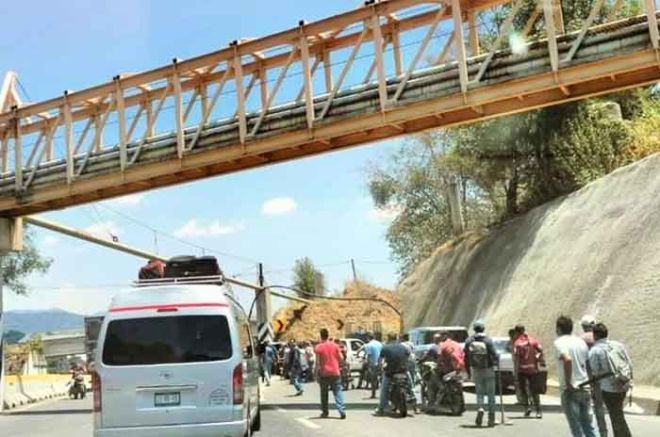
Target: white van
[{"x": 176, "y": 360}]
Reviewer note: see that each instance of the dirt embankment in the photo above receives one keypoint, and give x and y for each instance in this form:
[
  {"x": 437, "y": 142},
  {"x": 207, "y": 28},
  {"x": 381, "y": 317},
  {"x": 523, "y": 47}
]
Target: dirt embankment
[
  {"x": 595, "y": 251},
  {"x": 341, "y": 318}
]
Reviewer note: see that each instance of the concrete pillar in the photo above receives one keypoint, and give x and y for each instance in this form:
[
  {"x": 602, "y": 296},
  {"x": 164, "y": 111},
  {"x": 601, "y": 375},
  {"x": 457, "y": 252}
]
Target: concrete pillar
[{"x": 11, "y": 240}]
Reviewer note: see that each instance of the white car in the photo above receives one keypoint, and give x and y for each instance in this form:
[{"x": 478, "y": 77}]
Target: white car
[
  {"x": 176, "y": 360},
  {"x": 505, "y": 367},
  {"x": 353, "y": 346}
]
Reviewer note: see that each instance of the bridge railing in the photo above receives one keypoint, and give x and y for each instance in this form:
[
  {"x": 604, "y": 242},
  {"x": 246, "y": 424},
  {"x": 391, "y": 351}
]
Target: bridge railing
[{"x": 381, "y": 47}]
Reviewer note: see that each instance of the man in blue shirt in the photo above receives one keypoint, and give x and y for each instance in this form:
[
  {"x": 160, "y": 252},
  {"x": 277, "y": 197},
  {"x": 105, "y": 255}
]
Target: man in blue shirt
[
  {"x": 268, "y": 358},
  {"x": 613, "y": 389},
  {"x": 372, "y": 350}
]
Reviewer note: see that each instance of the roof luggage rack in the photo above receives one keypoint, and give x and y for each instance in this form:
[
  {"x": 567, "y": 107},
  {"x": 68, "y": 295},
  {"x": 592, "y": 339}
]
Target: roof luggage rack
[{"x": 213, "y": 280}]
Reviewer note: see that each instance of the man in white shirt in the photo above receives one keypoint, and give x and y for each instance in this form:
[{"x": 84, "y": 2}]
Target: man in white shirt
[{"x": 572, "y": 355}]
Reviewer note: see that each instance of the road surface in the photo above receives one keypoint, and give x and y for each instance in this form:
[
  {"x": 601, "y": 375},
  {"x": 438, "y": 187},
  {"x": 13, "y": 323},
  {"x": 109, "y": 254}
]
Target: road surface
[{"x": 287, "y": 416}]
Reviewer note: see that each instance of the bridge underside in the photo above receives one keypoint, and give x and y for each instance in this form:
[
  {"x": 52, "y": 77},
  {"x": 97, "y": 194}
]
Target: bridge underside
[{"x": 615, "y": 57}]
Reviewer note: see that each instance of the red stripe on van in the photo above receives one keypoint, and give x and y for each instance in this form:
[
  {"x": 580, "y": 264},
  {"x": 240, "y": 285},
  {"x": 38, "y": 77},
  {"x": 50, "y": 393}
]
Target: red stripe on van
[{"x": 168, "y": 306}]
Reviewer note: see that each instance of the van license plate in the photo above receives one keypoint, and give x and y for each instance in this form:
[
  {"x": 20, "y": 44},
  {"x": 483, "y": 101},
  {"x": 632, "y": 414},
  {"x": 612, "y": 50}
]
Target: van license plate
[{"x": 167, "y": 399}]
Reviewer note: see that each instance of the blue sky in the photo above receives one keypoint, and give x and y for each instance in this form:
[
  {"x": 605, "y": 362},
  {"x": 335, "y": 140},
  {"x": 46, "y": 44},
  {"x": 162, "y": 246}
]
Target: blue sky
[{"x": 317, "y": 207}]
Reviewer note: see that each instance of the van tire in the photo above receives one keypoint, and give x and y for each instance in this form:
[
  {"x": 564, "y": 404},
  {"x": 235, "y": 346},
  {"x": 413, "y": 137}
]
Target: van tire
[{"x": 256, "y": 423}]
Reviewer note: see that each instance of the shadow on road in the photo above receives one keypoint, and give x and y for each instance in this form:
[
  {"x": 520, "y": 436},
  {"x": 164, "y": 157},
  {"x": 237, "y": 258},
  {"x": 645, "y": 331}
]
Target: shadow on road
[{"x": 371, "y": 405}]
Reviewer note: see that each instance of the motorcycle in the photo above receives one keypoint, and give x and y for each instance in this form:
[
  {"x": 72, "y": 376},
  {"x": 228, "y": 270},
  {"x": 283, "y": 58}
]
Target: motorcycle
[
  {"x": 77, "y": 387},
  {"x": 397, "y": 393},
  {"x": 441, "y": 394}
]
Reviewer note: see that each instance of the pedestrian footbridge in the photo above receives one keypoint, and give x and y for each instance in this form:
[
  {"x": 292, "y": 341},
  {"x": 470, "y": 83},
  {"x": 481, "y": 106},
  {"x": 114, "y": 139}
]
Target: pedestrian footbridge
[{"x": 386, "y": 69}]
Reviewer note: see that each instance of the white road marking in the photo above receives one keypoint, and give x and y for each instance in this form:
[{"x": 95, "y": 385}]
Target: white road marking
[
  {"x": 280, "y": 410},
  {"x": 308, "y": 423}
]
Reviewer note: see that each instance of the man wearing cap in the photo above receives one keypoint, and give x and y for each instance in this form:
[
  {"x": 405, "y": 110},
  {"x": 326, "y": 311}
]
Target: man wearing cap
[
  {"x": 588, "y": 322},
  {"x": 480, "y": 361}
]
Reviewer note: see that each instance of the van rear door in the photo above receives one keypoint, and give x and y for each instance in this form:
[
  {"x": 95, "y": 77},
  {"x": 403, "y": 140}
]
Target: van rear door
[{"x": 167, "y": 369}]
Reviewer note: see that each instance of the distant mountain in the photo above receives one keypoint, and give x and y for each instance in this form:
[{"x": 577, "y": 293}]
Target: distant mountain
[{"x": 31, "y": 321}]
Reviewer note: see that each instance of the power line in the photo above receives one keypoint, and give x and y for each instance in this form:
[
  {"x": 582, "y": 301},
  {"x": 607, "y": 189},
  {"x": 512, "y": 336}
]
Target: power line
[{"x": 180, "y": 240}]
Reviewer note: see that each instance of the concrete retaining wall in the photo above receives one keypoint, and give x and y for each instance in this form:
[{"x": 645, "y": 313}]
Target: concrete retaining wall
[{"x": 23, "y": 390}]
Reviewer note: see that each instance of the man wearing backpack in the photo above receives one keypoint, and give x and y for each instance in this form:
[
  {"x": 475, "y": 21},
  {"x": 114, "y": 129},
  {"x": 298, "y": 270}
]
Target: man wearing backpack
[
  {"x": 612, "y": 368},
  {"x": 528, "y": 359},
  {"x": 588, "y": 322},
  {"x": 480, "y": 362}
]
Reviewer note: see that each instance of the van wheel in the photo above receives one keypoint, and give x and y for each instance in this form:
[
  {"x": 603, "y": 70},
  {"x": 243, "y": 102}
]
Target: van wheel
[{"x": 256, "y": 424}]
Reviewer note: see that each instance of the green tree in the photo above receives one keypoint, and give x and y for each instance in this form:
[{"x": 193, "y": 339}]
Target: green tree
[
  {"x": 415, "y": 181},
  {"x": 15, "y": 267},
  {"x": 307, "y": 278}
]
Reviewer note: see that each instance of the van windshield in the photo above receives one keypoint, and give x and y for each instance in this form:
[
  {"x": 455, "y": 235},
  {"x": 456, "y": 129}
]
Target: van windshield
[{"x": 167, "y": 340}]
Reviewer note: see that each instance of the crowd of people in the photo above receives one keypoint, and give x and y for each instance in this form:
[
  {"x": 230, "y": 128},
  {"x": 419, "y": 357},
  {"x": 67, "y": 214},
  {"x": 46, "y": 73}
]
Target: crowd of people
[{"x": 593, "y": 371}]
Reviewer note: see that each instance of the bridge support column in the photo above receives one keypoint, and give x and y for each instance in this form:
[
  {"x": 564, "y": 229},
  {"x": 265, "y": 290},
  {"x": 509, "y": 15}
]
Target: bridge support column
[{"x": 11, "y": 240}]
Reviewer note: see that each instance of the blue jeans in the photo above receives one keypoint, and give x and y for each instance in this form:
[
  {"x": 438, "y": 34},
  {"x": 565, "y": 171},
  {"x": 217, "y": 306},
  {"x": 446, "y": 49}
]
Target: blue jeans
[
  {"x": 333, "y": 383},
  {"x": 268, "y": 370},
  {"x": 385, "y": 392},
  {"x": 577, "y": 408},
  {"x": 295, "y": 379},
  {"x": 484, "y": 385}
]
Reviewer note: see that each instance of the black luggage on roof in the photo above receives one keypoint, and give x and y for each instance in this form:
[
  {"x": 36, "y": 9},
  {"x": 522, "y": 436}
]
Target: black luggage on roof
[{"x": 191, "y": 266}]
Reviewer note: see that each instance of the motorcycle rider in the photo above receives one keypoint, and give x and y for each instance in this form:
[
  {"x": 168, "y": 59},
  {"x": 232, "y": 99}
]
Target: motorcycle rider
[
  {"x": 77, "y": 379},
  {"x": 394, "y": 355},
  {"x": 449, "y": 356},
  {"x": 480, "y": 361}
]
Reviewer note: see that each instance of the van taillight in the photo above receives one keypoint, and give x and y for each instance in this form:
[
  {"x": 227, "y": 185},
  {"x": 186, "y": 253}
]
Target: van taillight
[
  {"x": 237, "y": 383},
  {"x": 96, "y": 391}
]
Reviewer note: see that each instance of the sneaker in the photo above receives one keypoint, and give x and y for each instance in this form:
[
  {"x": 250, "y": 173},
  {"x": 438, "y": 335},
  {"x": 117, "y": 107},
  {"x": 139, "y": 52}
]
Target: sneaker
[
  {"x": 300, "y": 393},
  {"x": 528, "y": 412},
  {"x": 342, "y": 415},
  {"x": 378, "y": 412},
  {"x": 539, "y": 414},
  {"x": 480, "y": 418},
  {"x": 491, "y": 420},
  {"x": 324, "y": 415}
]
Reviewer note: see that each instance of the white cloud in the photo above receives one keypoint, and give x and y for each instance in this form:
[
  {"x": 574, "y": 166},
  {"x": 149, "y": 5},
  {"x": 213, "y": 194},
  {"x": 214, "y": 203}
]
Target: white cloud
[
  {"x": 279, "y": 206},
  {"x": 50, "y": 241},
  {"x": 193, "y": 228},
  {"x": 130, "y": 200},
  {"x": 103, "y": 229},
  {"x": 384, "y": 214}
]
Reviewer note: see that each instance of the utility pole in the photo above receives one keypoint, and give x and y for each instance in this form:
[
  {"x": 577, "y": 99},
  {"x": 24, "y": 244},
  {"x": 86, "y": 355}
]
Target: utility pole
[
  {"x": 263, "y": 305},
  {"x": 354, "y": 271}
]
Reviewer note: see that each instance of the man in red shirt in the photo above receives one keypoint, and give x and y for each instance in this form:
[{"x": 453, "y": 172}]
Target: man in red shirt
[
  {"x": 328, "y": 359},
  {"x": 528, "y": 360}
]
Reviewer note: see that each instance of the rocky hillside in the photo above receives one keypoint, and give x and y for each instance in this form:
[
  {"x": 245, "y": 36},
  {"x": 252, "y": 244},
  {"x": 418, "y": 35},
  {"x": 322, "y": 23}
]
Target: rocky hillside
[
  {"x": 303, "y": 322},
  {"x": 595, "y": 251}
]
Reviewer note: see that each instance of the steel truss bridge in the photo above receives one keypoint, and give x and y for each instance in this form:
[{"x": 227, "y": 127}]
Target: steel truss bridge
[{"x": 386, "y": 69}]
